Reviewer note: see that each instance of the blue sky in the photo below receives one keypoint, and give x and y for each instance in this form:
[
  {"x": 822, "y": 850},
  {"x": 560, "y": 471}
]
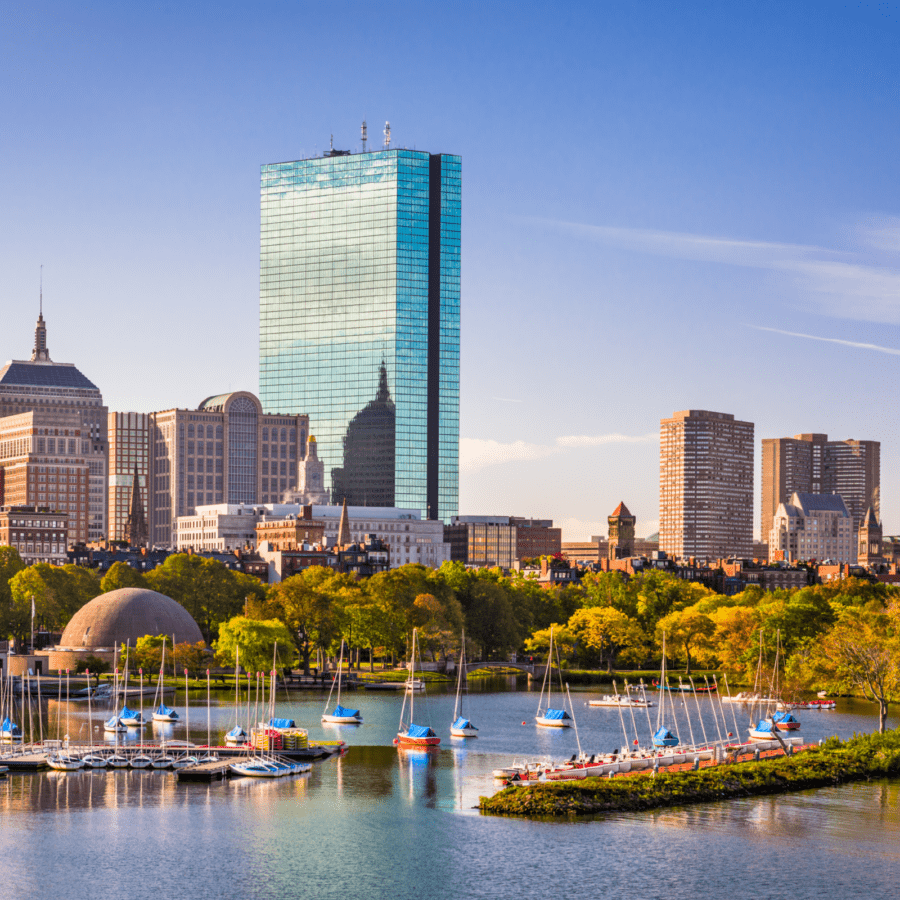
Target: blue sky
[{"x": 665, "y": 206}]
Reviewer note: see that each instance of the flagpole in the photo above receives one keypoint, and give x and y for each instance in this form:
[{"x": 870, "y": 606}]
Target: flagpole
[{"x": 32, "y": 625}]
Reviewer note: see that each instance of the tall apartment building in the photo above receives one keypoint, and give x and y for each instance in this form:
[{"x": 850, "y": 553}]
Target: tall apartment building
[
  {"x": 128, "y": 435},
  {"x": 225, "y": 451},
  {"x": 810, "y": 463},
  {"x": 59, "y": 389},
  {"x": 42, "y": 468},
  {"x": 359, "y": 319},
  {"x": 706, "y": 485}
]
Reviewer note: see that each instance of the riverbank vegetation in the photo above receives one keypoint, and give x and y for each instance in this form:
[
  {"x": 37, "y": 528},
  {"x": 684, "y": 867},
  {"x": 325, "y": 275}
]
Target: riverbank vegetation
[{"x": 862, "y": 758}]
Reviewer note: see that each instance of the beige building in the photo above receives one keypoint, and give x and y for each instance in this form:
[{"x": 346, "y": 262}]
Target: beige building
[
  {"x": 813, "y": 527},
  {"x": 42, "y": 467},
  {"x": 227, "y": 451},
  {"x": 223, "y": 527},
  {"x": 810, "y": 463},
  {"x": 128, "y": 437},
  {"x": 60, "y": 390},
  {"x": 705, "y": 486},
  {"x": 38, "y": 534}
]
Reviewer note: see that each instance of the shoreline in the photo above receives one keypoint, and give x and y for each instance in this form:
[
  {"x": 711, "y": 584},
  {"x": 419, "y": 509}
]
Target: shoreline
[{"x": 836, "y": 762}]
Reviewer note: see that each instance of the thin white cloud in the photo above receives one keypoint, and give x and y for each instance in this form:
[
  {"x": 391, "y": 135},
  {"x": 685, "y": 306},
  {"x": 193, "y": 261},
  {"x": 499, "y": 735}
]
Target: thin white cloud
[
  {"x": 507, "y": 400},
  {"x": 893, "y": 351},
  {"x": 477, "y": 453},
  {"x": 843, "y": 284}
]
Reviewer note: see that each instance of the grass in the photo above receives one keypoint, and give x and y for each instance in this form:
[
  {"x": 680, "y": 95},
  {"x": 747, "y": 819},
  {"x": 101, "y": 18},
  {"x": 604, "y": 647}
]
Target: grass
[{"x": 836, "y": 762}]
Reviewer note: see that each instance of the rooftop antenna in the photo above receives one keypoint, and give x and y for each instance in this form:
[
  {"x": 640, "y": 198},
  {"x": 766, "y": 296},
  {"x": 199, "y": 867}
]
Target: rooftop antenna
[
  {"x": 41, "y": 295},
  {"x": 387, "y": 135},
  {"x": 364, "y": 132},
  {"x": 332, "y": 142}
]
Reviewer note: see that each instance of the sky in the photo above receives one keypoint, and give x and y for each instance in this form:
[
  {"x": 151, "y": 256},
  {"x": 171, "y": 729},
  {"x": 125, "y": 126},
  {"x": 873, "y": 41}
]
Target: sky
[{"x": 665, "y": 206}]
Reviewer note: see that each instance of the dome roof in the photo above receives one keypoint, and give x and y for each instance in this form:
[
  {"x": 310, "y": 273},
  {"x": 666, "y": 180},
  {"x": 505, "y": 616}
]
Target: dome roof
[{"x": 124, "y": 616}]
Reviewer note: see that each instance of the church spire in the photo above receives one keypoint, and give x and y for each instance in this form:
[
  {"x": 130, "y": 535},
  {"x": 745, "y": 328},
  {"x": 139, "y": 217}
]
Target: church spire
[
  {"x": 136, "y": 531},
  {"x": 40, "y": 353},
  {"x": 343, "y": 538}
]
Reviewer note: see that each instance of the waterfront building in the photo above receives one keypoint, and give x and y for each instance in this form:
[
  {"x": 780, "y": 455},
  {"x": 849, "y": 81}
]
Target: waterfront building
[
  {"x": 42, "y": 467},
  {"x": 59, "y": 391},
  {"x": 39, "y": 535},
  {"x": 813, "y": 527},
  {"x": 810, "y": 463},
  {"x": 128, "y": 435},
  {"x": 359, "y": 319},
  {"x": 501, "y": 540},
  {"x": 705, "y": 486},
  {"x": 227, "y": 451}
]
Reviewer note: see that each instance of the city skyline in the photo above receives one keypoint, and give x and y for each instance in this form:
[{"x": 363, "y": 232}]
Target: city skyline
[{"x": 666, "y": 211}]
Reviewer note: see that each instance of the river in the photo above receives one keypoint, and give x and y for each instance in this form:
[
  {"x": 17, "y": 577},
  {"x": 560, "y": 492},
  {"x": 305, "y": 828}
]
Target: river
[{"x": 380, "y": 823}]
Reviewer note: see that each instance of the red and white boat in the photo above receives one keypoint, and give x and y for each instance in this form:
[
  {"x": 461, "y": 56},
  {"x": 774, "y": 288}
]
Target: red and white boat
[{"x": 410, "y": 734}]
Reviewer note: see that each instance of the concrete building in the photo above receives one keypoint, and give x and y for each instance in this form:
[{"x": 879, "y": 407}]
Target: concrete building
[
  {"x": 813, "y": 527},
  {"x": 128, "y": 434},
  {"x": 60, "y": 390},
  {"x": 501, "y": 540},
  {"x": 42, "y": 467},
  {"x": 705, "y": 486},
  {"x": 810, "y": 463},
  {"x": 38, "y": 534},
  {"x": 407, "y": 537},
  {"x": 227, "y": 451}
]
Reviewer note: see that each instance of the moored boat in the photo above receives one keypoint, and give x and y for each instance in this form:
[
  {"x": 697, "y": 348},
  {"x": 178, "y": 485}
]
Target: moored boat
[
  {"x": 411, "y": 734},
  {"x": 340, "y": 715},
  {"x": 546, "y": 715},
  {"x": 461, "y": 726}
]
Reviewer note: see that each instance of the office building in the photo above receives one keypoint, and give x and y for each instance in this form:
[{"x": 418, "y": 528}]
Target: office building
[
  {"x": 39, "y": 535},
  {"x": 705, "y": 486},
  {"x": 359, "y": 319},
  {"x": 128, "y": 435},
  {"x": 59, "y": 389},
  {"x": 501, "y": 540},
  {"x": 810, "y": 463},
  {"x": 813, "y": 527},
  {"x": 227, "y": 451},
  {"x": 42, "y": 468}
]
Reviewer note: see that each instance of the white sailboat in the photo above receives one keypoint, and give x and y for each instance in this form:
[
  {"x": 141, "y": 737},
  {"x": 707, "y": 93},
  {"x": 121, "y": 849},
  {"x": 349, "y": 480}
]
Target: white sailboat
[
  {"x": 186, "y": 759},
  {"x": 237, "y": 735},
  {"x": 546, "y": 715},
  {"x": 410, "y": 734},
  {"x": 61, "y": 760},
  {"x": 340, "y": 715},
  {"x": 461, "y": 726},
  {"x": 92, "y": 760},
  {"x": 163, "y": 713}
]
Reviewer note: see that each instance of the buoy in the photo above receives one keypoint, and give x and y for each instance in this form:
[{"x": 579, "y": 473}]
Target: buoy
[
  {"x": 635, "y": 742},
  {"x": 730, "y": 734},
  {"x": 523, "y": 722}
]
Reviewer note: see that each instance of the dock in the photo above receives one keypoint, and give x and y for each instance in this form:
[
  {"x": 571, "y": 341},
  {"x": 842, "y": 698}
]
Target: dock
[
  {"x": 205, "y": 771},
  {"x": 25, "y": 762}
]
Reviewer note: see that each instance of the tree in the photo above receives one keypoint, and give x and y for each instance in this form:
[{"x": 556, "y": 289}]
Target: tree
[
  {"x": 862, "y": 650},
  {"x": 439, "y": 623},
  {"x": 121, "y": 575},
  {"x": 735, "y": 638},
  {"x": 147, "y": 652},
  {"x": 10, "y": 565},
  {"x": 688, "y": 630},
  {"x": 608, "y": 633},
  {"x": 193, "y": 657},
  {"x": 256, "y": 639},
  {"x": 58, "y": 592}
]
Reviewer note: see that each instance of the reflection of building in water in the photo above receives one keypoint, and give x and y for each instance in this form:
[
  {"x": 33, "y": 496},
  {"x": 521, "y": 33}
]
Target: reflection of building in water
[{"x": 367, "y": 476}]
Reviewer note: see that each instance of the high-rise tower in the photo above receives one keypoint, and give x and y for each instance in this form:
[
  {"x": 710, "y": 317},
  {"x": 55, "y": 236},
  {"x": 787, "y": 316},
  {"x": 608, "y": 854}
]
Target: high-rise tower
[{"x": 359, "y": 319}]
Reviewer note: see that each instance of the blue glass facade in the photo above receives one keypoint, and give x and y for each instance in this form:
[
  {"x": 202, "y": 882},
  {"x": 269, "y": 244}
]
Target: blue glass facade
[{"x": 359, "y": 319}]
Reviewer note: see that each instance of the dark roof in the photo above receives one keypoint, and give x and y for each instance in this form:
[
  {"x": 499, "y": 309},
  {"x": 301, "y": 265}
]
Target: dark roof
[
  {"x": 622, "y": 510},
  {"x": 870, "y": 519},
  {"x": 833, "y": 502},
  {"x": 28, "y": 374}
]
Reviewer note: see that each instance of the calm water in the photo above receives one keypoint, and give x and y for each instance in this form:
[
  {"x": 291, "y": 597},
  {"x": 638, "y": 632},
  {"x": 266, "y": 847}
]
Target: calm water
[{"x": 381, "y": 823}]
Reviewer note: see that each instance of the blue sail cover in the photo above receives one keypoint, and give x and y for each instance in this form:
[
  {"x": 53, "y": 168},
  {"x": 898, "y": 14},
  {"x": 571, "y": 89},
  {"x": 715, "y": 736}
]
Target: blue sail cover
[
  {"x": 664, "y": 738},
  {"x": 281, "y": 723},
  {"x": 463, "y": 723},
  {"x": 765, "y": 726},
  {"x": 236, "y": 732},
  {"x": 113, "y": 722},
  {"x": 166, "y": 711},
  {"x": 786, "y": 717},
  {"x": 556, "y": 714},
  {"x": 419, "y": 731},
  {"x": 10, "y": 727},
  {"x": 128, "y": 713},
  {"x": 345, "y": 713}
]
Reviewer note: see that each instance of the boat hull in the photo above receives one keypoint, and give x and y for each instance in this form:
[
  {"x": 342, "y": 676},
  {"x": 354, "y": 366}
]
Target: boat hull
[
  {"x": 553, "y": 723},
  {"x": 403, "y": 741},
  {"x": 464, "y": 732},
  {"x": 342, "y": 720}
]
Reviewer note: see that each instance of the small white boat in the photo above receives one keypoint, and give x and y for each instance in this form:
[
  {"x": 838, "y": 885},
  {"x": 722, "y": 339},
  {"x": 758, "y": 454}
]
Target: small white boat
[
  {"x": 64, "y": 762},
  {"x": 182, "y": 762},
  {"x": 461, "y": 726},
  {"x": 236, "y": 737},
  {"x": 546, "y": 716},
  {"x": 10, "y": 732},
  {"x": 162, "y": 761},
  {"x": 165, "y": 713},
  {"x": 628, "y": 699},
  {"x": 94, "y": 761},
  {"x": 114, "y": 726},
  {"x": 258, "y": 767},
  {"x": 117, "y": 761},
  {"x": 130, "y": 718},
  {"x": 340, "y": 715},
  {"x": 141, "y": 761}
]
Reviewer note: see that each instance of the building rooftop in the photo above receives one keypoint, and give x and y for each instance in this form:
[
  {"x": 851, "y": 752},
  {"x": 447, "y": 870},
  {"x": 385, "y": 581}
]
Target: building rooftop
[{"x": 21, "y": 373}]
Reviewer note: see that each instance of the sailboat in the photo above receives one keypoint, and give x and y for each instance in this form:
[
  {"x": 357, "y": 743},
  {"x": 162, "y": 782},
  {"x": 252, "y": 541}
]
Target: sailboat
[
  {"x": 237, "y": 735},
  {"x": 112, "y": 724},
  {"x": 163, "y": 713},
  {"x": 782, "y": 720},
  {"x": 546, "y": 716},
  {"x": 410, "y": 734},
  {"x": 462, "y": 727},
  {"x": 340, "y": 716},
  {"x": 92, "y": 760},
  {"x": 186, "y": 759},
  {"x": 129, "y": 717},
  {"x": 663, "y": 737},
  {"x": 61, "y": 760}
]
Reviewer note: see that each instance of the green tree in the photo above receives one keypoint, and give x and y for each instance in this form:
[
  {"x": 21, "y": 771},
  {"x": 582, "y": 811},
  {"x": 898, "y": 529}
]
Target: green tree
[
  {"x": 608, "y": 633},
  {"x": 10, "y": 566},
  {"x": 147, "y": 653},
  {"x": 687, "y": 631},
  {"x": 121, "y": 575},
  {"x": 256, "y": 640},
  {"x": 193, "y": 657}
]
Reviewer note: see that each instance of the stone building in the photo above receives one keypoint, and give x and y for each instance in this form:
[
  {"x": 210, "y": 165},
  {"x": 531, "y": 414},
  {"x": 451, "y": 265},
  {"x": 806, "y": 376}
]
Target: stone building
[
  {"x": 39, "y": 535},
  {"x": 67, "y": 402},
  {"x": 227, "y": 451},
  {"x": 310, "y": 479},
  {"x": 813, "y": 527},
  {"x": 621, "y": 533},
  {"x": 870, "y": 550}
]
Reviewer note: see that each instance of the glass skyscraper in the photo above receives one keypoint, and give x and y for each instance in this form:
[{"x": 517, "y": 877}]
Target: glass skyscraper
[{"x": 359, "y": 319}]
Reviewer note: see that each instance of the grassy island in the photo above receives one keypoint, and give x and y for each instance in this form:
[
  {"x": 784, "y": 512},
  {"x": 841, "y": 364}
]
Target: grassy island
[{"x": 861, "y": 758}]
